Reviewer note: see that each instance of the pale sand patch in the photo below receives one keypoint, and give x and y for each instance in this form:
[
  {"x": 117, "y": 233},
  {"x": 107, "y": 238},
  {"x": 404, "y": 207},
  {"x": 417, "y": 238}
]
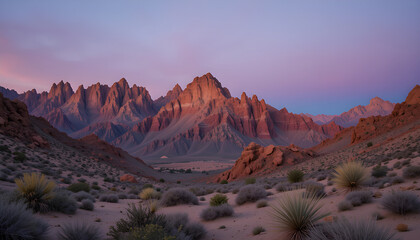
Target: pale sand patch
[{"x": 197, "y": 166}]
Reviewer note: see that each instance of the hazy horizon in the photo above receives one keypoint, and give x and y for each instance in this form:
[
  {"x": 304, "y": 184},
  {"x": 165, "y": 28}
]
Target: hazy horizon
[{"x": 308, "y": 57}]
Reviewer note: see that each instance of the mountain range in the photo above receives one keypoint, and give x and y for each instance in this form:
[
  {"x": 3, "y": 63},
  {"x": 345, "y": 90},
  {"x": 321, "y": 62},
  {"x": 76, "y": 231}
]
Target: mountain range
[
  {"x": 376, "y": 107},
  {"x": 201, "y": 121}
]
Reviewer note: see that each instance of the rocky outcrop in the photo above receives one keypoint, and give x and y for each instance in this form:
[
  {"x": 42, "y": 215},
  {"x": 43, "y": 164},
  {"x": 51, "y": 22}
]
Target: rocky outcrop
[
  {"x": 171, "y": 95},
  {"x": 256, "y": 160},
  {"x": 15, "y": 122},
  {"x": 403, "y": 114},
  {"x": 9, "y": 93},
  {"x": 128, "y": 178}
]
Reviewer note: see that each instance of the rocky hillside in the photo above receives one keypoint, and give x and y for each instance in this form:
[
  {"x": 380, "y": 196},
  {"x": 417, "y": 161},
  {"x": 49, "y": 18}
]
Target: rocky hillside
[
  {"x": 376, "y": 107},
  {"x": 201, "y": 120}
]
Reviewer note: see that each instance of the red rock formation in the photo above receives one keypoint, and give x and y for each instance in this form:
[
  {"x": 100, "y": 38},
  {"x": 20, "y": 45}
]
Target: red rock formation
[
  {"x": 128, "y": 178},
  {"x": 15, "y": 122},
  {"x": 171, "y": 95},
  {"x": 256, "y": 160},
  {"x": 403, "y": 114}
]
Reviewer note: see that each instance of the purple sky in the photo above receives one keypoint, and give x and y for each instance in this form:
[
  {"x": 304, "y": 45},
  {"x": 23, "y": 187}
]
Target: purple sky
[{"x": 308, "y": 56}]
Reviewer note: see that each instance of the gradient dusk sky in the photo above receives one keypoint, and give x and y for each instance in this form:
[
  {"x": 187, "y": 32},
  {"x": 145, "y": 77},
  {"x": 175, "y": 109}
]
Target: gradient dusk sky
[{"x": 307, "y": 56}]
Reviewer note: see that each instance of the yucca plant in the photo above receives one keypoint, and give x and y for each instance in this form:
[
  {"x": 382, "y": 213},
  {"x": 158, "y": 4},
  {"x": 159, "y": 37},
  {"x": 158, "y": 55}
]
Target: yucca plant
[
  {"x": 295, "y": 176},
  {"x": 295, "y": 214},
  {"x": 36, "y": 190},
  {"x": 350, "y": 175},
  {"x": 346, "y": 230},
  {"x": 77, "y": 231}
]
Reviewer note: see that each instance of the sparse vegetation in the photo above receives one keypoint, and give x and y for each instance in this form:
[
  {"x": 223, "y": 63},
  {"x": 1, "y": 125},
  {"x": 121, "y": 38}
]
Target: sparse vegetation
[
  {"x": 261, "y": 203},
  {"x": 345, "y": 205},
  {"x": 177, "y": 196},
  {"x": 295, "y": 176},
  {"x": 401, "y": 202},
  {"x": 149, "y": 193},
  {"x": 77, "y": 231},
  {"x": 314, "y": 188},
  {"x": 411, "y": 172},
  {"x": 346, "y": 230},
  {"x": 63, "y": 202},
  {"x": 218, "y": 200},
  {"x": 250, "y": 181},
  {"x": 18, "y": 223},
  {"x": 87, "y": 204},
  {"x": 36, "y": 190},
  {"x": 295, "y": 214},
  {"x": 212, "y": 213},
  {"x": 224, "y": 181},
  {"x": 77, "y": 187},
  {"x": 350, "y": 175},
  {"x": 250, "y": 193},
  {"x": 358, "y": 198},
  {"x": 379, "y": 171},
  {"x": 111, "y": 198}
]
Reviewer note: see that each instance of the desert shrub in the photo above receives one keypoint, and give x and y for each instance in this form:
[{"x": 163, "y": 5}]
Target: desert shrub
[
  {"x": 350, "y": 175},
  {"x": 202, "y": 199},
  {"x": 358, "y": 198},
  {"x": 224, "y": 181},
  {"x": 212, "y": 213},
  {"x": 379, "y": 171},
  {"x": 377, "y": 216},
  {"x": 321, "y": 177},
  {"x": 132, "y": 196},
  {"x": 16, "y": 222},
  {"x": 344, "y": 205},
  {"x": 250, "y": 181},
  {"x": 397, "y": 165},
  {"x": 250, "y": 193},
  {"x": 315, "y": 188},
  {"x": 401, "y": 202},
  {"x": 295, "y": 176},
  {"x": 149, "y": 193},
  {"x": 235, "y": 191},
  {"x": 19, "y": 157},
  {"x": 77, "y": 187},
  {"x": 295, "y": 214},
  {"x": 369, "y": 144},
  {"x": 346, "y": 230},
  {"x": 218, "y": 199},
  {"x": 96, "y": 187},
  {"x": 122, "y": 196},
  {"x": 87, "y": 204},
  {"x": 411, "y": 172},
  {"x": 4, "y": 148},
  {"x": 174, "y": 226},
  {"x": 79, "y": 196},
  {"x": 177, "y": 196},
  {"x": 112, "y": 198},
  {"x": 77, "y": 231},
  {"x": 257, "y": 230},
  {"x": 262, "y": 203},
  {"x": 397, "y": 180},
  {"x": 36, "y": 190},
  {"x": 201, "y": 191},
  {"x": 147, "y": 185},
  {"x": 63, "y": 202}
]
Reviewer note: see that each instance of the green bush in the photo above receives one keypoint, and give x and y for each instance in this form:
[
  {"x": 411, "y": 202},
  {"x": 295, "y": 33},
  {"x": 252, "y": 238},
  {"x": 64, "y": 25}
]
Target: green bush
[
  {"x": 295, "y": 176},
  {"x": 379, "y": 171},
  {"x": 77, "y": 187},
  {"x": 19, "y": 156},
  {"x": 250, "y": 181},
  {"x": 369, "y": 144},
  {"x": 224, "y": 181},
  {"x": 218, "y": 199},
  {"x": 36, "y": 190}
]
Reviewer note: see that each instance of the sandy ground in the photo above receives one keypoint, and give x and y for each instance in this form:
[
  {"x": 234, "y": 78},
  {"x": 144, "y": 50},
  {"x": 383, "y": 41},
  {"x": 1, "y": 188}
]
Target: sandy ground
[{"x": 198, "y": 165}]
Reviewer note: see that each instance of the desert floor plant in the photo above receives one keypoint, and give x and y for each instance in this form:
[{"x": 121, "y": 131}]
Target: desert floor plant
[
  {"x": 401, "y": 202},
  {"x": 18, "y": 223},
  {"x": 295, "y": 176},
  {"x": 77, "y": 231},
  {"x": 350, "y": 175},
  {"x": 36, "y": 190},
  {"x": 218, "y": 199},
  {"x": 346, "y": 230},
  {"x": 296, "y": 213}
]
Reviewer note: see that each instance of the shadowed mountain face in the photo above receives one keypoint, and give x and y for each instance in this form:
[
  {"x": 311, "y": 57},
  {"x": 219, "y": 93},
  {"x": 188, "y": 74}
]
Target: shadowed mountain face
[
  {"x": 376, "y": 107},
  {"x": 201, "y": 120}
]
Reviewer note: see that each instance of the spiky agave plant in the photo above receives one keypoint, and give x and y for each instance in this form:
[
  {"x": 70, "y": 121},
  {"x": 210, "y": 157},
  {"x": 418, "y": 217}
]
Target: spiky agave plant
[
  {"x": 350, "y": 175},
  {"x": 36, "y": 190},
  {"x": 296, "y": 213}
]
